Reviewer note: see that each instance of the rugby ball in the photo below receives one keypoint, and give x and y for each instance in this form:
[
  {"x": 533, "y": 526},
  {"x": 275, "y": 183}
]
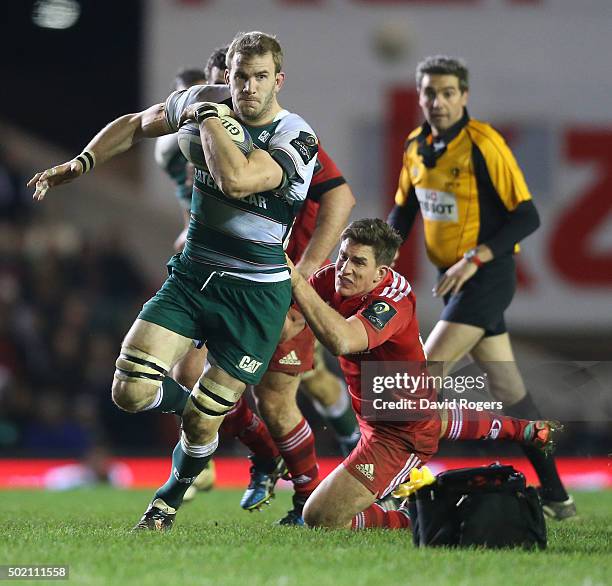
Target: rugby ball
[{"x": 191, "y": 145}]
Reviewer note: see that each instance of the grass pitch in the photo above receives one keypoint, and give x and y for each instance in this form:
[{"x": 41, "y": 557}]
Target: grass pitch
[{"x": 215, "y": 543}]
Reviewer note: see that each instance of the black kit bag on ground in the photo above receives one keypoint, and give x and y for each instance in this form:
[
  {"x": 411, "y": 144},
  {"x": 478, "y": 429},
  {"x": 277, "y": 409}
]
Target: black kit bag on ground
[{"x": 488, "y": 506}]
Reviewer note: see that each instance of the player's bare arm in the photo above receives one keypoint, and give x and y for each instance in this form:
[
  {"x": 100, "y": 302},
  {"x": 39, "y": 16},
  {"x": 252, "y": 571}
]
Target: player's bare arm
[
  {"x": 334, "y": 211},
  {"x": 340, "y": 336},
  {"x": 456, "y": 276},
  {"x": 115, "y": 138},
  {"x": 237, "y": 175}
]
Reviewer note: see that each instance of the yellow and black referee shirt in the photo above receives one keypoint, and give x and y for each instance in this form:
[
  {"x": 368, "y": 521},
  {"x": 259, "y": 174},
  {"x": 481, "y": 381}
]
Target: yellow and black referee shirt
[{"x": 469, "y": 188}]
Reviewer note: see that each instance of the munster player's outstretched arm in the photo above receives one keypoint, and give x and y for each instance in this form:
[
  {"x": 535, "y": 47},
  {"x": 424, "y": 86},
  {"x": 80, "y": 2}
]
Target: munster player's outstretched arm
[
  {"x": 340, "y": 336},
  {"x": 115, "y": 138}
]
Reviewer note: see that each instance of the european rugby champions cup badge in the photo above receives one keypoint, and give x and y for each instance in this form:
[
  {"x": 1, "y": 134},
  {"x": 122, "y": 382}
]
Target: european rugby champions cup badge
[{"x": 379, "y": 313}]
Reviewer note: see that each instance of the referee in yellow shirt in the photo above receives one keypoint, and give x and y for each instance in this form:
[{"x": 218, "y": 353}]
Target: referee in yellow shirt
[{"x": 476, "y": 207}]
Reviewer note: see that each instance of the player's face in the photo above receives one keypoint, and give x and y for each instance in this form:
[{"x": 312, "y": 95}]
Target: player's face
[
  {"x": 442, "y": 101},
  {"x": 356, "y": 269},
  {"x": 254, "y": 86},
  {"x": 217, "y": 75}
]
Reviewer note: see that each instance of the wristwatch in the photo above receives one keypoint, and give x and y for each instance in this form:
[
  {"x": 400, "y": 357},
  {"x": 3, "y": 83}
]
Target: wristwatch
[{"x": 472, "y": 256}]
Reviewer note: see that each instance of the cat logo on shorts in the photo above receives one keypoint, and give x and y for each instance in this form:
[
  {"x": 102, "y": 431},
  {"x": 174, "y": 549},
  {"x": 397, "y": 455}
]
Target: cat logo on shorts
[{"x": 249, "y": 364}]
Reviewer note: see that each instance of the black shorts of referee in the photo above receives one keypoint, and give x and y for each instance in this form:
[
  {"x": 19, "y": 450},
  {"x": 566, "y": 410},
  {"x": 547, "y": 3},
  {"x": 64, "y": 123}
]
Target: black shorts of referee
[{"x": 484, "y": 298}]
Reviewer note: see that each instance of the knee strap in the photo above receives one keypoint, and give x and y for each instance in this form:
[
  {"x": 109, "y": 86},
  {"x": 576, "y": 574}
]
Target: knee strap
[
  {"x": 134, "y": 365},
  {"x": 212, "y": 399}
]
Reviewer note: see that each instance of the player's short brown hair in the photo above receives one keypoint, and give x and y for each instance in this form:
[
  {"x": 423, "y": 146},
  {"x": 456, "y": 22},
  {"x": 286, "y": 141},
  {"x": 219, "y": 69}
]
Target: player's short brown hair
[
  {"x": 255, "y": 43},
  {"x": 384, "y": 240},
  {"x": 444, "y": 65},
  {"x": 216, "y": 59}
]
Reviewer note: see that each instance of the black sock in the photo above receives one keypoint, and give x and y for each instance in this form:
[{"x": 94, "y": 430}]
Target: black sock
[{"x": 545, "y": 467}]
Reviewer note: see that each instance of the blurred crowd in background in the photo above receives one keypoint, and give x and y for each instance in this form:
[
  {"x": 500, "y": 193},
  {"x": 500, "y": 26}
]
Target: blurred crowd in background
[{"x": 65, "y": 302}]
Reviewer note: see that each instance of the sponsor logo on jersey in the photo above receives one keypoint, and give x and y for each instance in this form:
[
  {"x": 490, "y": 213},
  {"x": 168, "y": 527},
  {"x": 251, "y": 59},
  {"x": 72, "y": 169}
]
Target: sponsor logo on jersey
[
  {"x": 206, "y": 178},
  {"x": 366, "y": 469},
  {"x": 379, "y": 313},
  {"x": 257, "y": 199},
  {"x": 264, "y": 136},
  {"x": 495, "y": 429},
  {"x": 306, "y": 145},
  {"x": 249, "y": 364},
  {"x": 291, "y": 359},
  {"x": 439, "y": 206}
]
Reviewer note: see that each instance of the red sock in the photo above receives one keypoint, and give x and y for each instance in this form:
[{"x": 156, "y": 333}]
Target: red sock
[
  {"x": 469, "y": 424},
  {"x": 376, "y": 516},
  {"x": 243, "y": 423},
  {"x": 298, "y": 450}
]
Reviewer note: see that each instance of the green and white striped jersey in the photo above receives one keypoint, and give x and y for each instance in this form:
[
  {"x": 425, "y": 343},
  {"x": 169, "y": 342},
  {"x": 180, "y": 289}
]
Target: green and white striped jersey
[{"x": 245, "y": 237}]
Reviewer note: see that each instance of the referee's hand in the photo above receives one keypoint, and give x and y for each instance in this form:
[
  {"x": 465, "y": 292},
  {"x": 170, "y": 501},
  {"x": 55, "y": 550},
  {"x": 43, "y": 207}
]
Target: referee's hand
[{"x": 453, "y": 279}]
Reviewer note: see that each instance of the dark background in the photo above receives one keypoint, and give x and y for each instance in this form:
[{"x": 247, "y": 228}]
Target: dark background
[{"x": 50, "y": 77}]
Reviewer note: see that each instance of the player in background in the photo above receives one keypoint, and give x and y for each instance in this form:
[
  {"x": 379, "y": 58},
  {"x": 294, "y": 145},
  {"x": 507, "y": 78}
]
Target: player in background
[
  {"x": 229, "y": 287},
  {"x": 476, "y": 207},
  {"x": 315, "y": 233},
  {"x": 362, "y": 310}
]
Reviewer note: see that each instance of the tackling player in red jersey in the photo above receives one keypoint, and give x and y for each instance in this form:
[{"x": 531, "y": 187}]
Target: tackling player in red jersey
[{"x": 362, "y": 310}]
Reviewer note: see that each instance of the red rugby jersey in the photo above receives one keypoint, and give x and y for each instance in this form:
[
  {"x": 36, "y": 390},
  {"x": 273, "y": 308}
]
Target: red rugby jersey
[
  {"x": 396, "y": 338},
  {"x": 326, "y": 176}
]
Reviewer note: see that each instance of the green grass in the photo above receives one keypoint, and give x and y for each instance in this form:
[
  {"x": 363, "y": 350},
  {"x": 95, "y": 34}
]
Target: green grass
[{"x": 215, "y": 543}]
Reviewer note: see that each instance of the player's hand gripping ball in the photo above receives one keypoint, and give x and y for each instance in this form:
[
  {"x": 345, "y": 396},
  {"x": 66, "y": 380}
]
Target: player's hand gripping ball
[{"x": 189, "y": 140}]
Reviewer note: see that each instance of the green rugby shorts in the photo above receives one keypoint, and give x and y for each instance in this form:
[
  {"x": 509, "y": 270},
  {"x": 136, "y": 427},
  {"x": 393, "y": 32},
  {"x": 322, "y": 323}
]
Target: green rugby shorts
[{"x": 239, "y": 320}]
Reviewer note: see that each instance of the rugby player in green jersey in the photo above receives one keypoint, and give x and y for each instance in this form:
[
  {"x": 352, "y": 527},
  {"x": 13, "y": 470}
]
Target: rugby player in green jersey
[
  {"x": 316, "y": 231},
  {"x": 230, "y": 285}
]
